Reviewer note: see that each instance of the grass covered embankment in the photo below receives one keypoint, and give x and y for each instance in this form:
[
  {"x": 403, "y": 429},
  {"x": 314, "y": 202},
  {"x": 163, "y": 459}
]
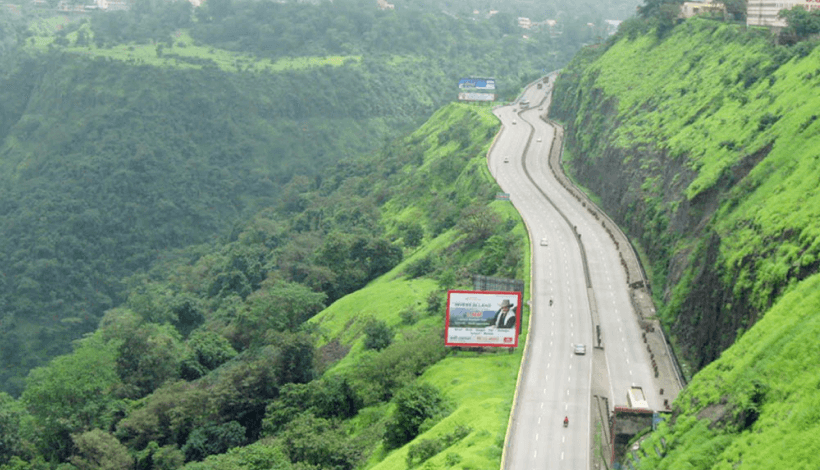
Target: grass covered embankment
[
  {"x": 704, "y": 145},
  {"x": 478, "y": 388}
]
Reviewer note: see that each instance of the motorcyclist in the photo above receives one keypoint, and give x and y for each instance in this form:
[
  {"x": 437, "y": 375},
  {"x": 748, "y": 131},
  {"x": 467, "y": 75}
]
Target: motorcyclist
[{"x": 566, "y": 421}]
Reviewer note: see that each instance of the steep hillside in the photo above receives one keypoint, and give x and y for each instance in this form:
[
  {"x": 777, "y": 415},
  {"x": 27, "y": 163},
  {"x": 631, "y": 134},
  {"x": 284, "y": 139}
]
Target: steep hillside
[
  {"x": 126, "y": 136},
  {"x": 708, "y": 158},
  {"x": 704, "y": 145},
  {"x": 227, "y": 355}
]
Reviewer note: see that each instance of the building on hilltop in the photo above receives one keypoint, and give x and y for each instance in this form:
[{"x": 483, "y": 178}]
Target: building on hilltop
[
  {"x": 765, "y": 12},
  {"x": 524, "y": 23},
  {"x": 690, "y": 9},
  {"x": 386, "y": 6}
]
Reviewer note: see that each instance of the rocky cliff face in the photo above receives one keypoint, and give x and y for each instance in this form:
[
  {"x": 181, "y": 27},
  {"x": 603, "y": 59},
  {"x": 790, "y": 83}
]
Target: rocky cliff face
[{"x": 681, "y": 140}]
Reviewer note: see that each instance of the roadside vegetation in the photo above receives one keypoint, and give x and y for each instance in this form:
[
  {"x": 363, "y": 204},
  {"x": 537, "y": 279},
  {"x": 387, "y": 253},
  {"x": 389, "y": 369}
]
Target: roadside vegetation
[
  {"x": 309, "y": 341},
  {"x": 714, "y": 149}
]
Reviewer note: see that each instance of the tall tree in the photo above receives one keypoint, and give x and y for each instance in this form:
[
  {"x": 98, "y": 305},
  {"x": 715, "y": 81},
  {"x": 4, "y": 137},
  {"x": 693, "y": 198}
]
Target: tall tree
[{"x": 73, "y": 394}]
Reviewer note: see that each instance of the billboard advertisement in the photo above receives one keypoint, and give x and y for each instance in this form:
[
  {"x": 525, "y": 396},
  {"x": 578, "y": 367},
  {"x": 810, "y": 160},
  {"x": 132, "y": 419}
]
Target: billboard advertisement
[
  {"x": 476, "y": 96},
  {"x": 481, "y": 318},
  {"x": 477, "y": 84}
]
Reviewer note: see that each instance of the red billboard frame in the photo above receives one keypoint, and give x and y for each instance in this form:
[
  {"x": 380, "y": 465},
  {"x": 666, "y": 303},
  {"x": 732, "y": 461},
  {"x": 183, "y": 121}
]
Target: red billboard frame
[{"x": 470, "y": 316}]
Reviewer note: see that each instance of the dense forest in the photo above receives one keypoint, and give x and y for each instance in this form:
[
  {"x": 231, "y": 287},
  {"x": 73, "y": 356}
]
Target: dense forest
[
  {"x": 111, "y": 157},
  {"x": 214, "y": 348}
]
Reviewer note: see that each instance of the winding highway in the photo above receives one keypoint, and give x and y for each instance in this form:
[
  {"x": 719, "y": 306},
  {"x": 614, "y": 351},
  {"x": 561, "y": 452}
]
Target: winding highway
[{"x": 566, "y": 298}]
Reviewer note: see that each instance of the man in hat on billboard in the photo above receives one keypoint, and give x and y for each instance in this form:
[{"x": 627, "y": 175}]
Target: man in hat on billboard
[{"x": 505, "y": 316}]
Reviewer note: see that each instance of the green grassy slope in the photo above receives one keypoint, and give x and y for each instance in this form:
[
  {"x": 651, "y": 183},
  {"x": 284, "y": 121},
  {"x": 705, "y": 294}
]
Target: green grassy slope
[
  {"x": 478, "y": 386},
  {"x": 711, "y": 137},
  {"x": 718, "y": 143},
  {"x": 758, "y": 406}
]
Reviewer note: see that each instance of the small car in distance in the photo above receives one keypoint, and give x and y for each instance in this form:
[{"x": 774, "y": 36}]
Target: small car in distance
[
  {"x": 515, "y": 122},
  {"x": 544, "y": 241},
  {"x": 506, "y": 159},
  {"x": 580, "y": 349},
  {"x": 538, "y": 139}
]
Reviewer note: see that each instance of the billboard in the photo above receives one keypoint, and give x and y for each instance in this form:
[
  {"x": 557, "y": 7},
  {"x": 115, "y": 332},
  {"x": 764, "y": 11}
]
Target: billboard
[
  {"x": 477, "y": 84},
  {"x": 482, "y": 318},
  {"x": 476, "y": 96}
]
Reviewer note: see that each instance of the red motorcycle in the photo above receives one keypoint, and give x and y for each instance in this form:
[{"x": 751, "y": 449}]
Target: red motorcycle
[{"x": 566, "y": 422}]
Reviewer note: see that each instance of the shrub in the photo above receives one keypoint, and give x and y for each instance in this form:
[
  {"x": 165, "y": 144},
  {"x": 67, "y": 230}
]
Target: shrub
[
  {"x": 422, "y": 451},
  {"x": 415, "y": 404},
  {"x": 215, "y": 439},
  {"x": 377, "y": 335}
]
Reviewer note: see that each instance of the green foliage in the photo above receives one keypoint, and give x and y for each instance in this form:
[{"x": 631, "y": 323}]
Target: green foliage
[
  {"x": 237, "y": 391},
  {"x": 769, "y": 374},
  {"x": 413, "y": 234},
  {"x": 328, "y": 398},
  {"x": 160, "y": 458},
  {"x": 355, "y": 260},
  {"x": 435, "y": 303},
  {"x": 77, "y": 217},
  {"x": 293, "y": 362},
  {"x": 71, "y": 395},
  {"x": 149, "y": 355},
  {"x": 409, "y": 316},
  {"x": 478, "y": 223},
  {"x": 379, "y": 376},
  {"x": 207, "y": 351},
  {"x": 262, "y": 455},
  {"x": 13, "y": 428},
  {"x": 415, "y": 404},
  {"x": 801, "y": 23},
  {"x": 166, "y": 417},
  {"x": 213, "y": 439},
  {"x": 377, "y": 335},
  {"x": 501, "y": 256},
  {"x": 276, "y": 306},
  {"x": 427, "y": 448},
  {"x": 421, "y": 266},
  {"x": 419, "y": 453},
  {"x": 99, "y": 450},
  {"x": 256, "y": 292},
  {"x": 317, "y": 441}
]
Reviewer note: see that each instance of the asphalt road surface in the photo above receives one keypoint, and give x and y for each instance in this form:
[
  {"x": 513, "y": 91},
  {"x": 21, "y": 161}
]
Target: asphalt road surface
[{"x": 556, "y": 382}]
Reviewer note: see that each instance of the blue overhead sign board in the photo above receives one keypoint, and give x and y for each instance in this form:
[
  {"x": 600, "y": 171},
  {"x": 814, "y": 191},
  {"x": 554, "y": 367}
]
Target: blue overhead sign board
[{"x": 477, "y": 84}]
